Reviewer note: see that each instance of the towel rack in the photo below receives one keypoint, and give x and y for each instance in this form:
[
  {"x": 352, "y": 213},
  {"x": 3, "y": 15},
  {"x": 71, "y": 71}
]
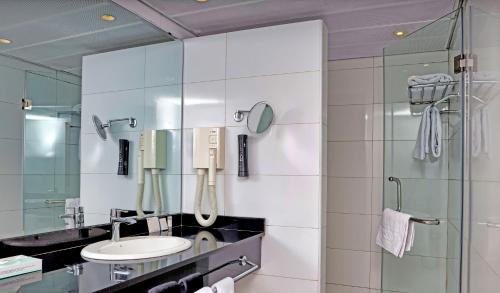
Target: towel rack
[
  {"x": 242, "y": 261},
  {"x": 399, "y": 200}
]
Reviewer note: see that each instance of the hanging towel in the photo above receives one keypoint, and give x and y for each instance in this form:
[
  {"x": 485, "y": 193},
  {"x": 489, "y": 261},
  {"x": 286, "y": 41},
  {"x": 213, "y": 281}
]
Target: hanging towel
[
  {"x": 480, "y": 129},
  {"x": 424, "y": 132},
  {"x": 430, "y": 133},
  {"x": 170, "y": 287},
  {"x": 191, "y": 283},
  {"x": 396, "y": 233},
  {"x": 436, "y": 132},
  {"x": 225, "y": 285},
  {"x": 205, "y": 290},
  {"x": 417, "y": 95}
]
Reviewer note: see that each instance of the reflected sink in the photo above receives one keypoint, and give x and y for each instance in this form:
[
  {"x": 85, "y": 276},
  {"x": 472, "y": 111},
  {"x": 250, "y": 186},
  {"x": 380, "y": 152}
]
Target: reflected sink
[{"x": 135, "y": 248}]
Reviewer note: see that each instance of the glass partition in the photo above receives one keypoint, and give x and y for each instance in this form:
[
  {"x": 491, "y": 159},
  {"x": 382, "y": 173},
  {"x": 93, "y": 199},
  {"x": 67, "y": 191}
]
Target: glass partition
[{"x": 430, "y": 180}]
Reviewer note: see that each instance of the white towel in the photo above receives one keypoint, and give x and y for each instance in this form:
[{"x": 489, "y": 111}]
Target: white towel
[
  {"x": 430, "y": 133},
  {"x": 480, "y": 128},
  {"x": 436, "y": 132},
  {"x": 396, "y": 232},
  {"x": 417, "y": 95},
  {"x": 205, "y": 290},
  {"x": 225, "y": 285}
]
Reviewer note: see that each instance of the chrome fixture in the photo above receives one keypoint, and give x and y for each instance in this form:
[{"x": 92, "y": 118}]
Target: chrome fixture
[
  {"x": 115, "y": 226},
  {"x": 242, "y": 261},
  {"x": 259, "y": 117},
  {"x": 55, "y": 201},
  {"x": 74, "y": 213},
  {"x": 101, "y": 127},
  {"x": 75, "y": 270},
  {"x": 399, "y": 199}
]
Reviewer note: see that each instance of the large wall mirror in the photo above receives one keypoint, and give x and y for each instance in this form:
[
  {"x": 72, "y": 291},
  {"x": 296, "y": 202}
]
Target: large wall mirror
[{"x": 61, "y": 63}]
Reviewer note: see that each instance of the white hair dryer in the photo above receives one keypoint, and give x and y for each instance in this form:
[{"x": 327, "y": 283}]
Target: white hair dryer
[{"x": 208, "y": 156}]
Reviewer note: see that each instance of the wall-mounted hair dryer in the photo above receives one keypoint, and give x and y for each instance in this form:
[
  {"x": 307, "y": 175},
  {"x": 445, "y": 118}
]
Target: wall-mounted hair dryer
[
  {"x": 152, "y": 155},
  {"x": 208, "y": 155}
]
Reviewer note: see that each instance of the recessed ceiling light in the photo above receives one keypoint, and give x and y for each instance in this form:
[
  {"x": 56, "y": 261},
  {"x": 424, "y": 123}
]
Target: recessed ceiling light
[
  {"x": 5, "y": 41},
  {"x": 201, "y": 1},
  {"x": 108, "y": 17},
  {"x": 399, "y": 34}
]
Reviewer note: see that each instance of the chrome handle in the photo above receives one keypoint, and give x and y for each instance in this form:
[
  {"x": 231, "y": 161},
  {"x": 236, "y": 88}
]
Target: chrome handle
[
  {"x": 55, "y": 201},
  {"x": 489, "y": 225},
  {"x": 399, "y": 195}
]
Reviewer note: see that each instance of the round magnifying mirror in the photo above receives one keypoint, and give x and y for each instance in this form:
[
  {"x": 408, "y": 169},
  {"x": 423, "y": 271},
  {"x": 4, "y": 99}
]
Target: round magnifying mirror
[{"x": 260, "y": 117}]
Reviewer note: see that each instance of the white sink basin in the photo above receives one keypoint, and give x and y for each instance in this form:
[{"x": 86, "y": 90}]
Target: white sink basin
[{"x": 134, "y": 248}]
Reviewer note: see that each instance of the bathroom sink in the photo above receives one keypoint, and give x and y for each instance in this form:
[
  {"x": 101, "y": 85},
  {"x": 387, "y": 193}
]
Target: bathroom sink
[{"x": 135, "y": 248}]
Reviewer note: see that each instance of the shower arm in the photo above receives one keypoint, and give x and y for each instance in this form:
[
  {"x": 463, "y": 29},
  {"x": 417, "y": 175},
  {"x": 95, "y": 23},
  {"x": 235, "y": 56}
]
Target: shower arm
[{"x": 132, "y": 122}]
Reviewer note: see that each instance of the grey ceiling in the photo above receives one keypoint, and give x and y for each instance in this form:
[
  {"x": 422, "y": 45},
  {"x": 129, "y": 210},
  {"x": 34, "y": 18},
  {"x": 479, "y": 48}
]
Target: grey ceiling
[
  {"x": 57, "y": 33},
  {"x": 357, "y": 28}
]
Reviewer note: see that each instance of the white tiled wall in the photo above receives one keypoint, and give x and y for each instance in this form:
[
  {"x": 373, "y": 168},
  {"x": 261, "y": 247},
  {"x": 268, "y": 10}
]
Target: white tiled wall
[
  {"x": 355, "y": 122},
  {"x": 11, "y": 133},
  {"x": 144, "y": 83},
  {"x": 229, "y": 72}
]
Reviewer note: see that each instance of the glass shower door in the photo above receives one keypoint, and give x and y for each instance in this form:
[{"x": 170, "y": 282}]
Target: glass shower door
[
  {"x": 482, "y": 237},
  {"x": 51, "y": 164},
  {"x": 429, "y": 186}
]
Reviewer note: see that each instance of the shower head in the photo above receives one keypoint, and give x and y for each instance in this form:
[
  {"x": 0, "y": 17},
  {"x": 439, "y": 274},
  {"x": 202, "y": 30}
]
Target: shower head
[{"x": 99, "y": 127}]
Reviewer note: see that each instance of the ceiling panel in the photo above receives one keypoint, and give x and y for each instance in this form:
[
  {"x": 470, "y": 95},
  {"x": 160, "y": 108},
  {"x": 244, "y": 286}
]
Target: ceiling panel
[
  {"x": 57, "y": 33},
  {"x": 350, "y": 22}
]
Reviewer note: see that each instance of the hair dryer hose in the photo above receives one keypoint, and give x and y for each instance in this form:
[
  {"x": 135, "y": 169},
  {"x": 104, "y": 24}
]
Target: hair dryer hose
[{"x": 198, "y": 199}]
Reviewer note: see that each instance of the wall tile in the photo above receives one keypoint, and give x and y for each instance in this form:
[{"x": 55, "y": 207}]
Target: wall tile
[
  {"x": 12, "y": 85},
  {"x": 378, "y": 122},
  {"x": 347, "y": 123},
  {"x": 101, "y": 156},
  {"x": 276, "y": 152},
  {"x": 170, "y": 188},
  {"x": 378, "y": 85},
  {"x": 282, "y": 242},
  {"x": 349, "y": 195},
  {"x": 205, "y": 58},
  {"x": 204, "y": 104},
  {"x": 10, "y": 156},
  {"x": 272, "y": 284},
  {"x": 124, "y": 70},
  {"x": 348, "y": 231},
  {"x": 163, "y": 107},
  {"x": 295, "y": 98},
  {"x": 350, "y": 159},
  {"x": 15, "y": 220},
  {"x": 378, "y": 159},
  {"x": 258, "y": 196},
  {"x": 112, "y": 106},
  {"x": 332, "y": 288},
  {"x": 164, "y": 63},
  {"x": 351, "y": 87},
  {"x": 259, "y": 52},
  {"x": 350, "y": 268},
  {"x": 375, "y": 270},
  {"x": 13, "y": 115},
  {"x": 11, "y": 189}
]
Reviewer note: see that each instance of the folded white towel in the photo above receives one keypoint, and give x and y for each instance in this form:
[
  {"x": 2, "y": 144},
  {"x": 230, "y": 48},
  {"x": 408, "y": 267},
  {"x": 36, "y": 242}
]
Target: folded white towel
[
  {"x": 205, "y": 290},
  {"x": 396, "y": 232},
  {"x": 225, "y": 285},
  {"x": 430, "y": 133},
  {"x": 426, "y": 94}
]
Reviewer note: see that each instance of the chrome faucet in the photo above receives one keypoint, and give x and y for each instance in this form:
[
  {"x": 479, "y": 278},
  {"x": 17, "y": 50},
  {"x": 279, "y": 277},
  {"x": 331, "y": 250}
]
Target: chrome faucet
[
  {"x": 115, "y": 226},
  {"x": 76, "y": 214}
]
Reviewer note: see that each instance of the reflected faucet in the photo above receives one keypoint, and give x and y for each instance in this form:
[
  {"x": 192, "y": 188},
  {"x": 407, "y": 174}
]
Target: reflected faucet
[{"x": 115, "y": 226}]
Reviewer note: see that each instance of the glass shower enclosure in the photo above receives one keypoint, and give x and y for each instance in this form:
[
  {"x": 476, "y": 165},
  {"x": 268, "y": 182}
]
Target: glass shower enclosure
[{"x": 453, "y": 196}]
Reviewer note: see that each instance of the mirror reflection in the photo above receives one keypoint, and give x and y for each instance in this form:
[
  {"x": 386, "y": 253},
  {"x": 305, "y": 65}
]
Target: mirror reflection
[
  {"x": 260, "y": 117},
  {"x": 62, "y": 64}
]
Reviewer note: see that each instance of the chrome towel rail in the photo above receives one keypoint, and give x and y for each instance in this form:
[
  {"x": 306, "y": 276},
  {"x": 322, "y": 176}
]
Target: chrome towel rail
[
  {"x": 242, "y": 261},
  {"x": 399, "y": 199}
]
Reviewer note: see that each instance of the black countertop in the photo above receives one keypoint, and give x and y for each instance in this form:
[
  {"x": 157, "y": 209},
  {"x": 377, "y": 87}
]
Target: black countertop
[{"x": 65, "y": 271}]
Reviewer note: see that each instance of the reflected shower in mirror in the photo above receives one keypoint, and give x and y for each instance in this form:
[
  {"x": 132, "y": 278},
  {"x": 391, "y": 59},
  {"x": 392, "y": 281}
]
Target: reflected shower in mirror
[{"x": 66, "y": 61}]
